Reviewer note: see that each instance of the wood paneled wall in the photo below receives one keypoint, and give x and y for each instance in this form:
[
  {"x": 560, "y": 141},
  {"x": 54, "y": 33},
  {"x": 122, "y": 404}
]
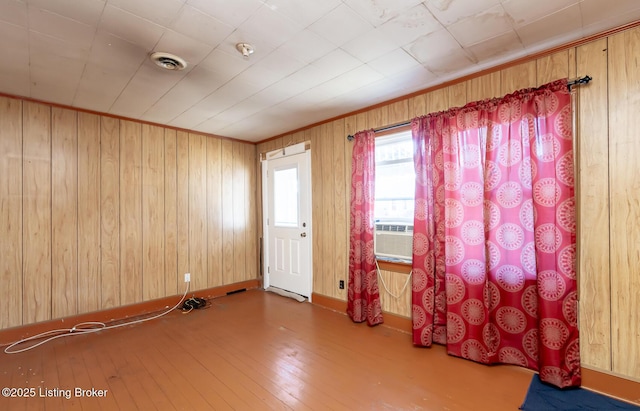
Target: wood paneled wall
[
  {"x": 608, "y": 145},
  {"x": 97, "y": 212}
]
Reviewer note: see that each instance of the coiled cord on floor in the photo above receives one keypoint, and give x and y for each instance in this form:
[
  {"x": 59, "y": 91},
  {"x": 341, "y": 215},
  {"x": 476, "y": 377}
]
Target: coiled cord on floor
[{"x": 82, "y": 328}]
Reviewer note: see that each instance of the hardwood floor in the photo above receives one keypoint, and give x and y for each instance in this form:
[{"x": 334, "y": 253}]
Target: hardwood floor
[{"x": 255, "y": 351}]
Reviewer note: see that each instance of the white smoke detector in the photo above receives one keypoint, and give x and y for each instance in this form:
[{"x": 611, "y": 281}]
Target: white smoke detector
[{"x": 168, "y": 61}]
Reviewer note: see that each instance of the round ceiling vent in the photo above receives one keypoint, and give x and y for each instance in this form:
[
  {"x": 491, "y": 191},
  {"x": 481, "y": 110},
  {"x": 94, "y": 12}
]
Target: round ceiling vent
[{"x": 168, "y": 61}]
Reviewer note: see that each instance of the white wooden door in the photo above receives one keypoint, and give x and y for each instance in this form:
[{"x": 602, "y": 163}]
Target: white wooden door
[{"x": 287, "y": 227}]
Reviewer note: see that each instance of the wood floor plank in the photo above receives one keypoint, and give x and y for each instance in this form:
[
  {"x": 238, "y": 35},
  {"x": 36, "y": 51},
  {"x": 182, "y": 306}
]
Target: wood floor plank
[{"x": 259, "y": 351}]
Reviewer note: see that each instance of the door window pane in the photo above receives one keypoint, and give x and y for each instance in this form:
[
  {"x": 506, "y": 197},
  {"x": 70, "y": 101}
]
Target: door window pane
[{"x": 285, "y": 197}]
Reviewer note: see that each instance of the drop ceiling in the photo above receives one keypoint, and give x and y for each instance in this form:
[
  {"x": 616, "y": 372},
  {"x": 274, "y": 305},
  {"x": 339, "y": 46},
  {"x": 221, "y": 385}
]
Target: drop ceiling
[{"x": 313, "y": 59}]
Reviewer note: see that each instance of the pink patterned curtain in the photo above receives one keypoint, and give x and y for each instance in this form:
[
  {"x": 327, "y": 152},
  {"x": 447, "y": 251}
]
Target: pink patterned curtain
[
  {"x": 494, "y": 233},
  {"x": 363, "y": 301}
]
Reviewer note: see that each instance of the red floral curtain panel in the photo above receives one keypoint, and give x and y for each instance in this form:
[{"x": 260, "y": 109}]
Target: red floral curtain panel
[
  {"x": 494, "y": 233},
  {"x": 363, "y": 300}
]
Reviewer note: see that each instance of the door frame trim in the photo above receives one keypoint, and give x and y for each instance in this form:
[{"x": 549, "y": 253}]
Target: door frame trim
[{"x": 301, "y": 148}]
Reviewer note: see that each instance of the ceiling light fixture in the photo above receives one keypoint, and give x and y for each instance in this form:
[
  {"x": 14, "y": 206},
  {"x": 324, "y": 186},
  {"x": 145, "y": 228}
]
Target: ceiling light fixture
[
  {"x": 168, "y": 61},
  {"x": 245, "y": 48}
]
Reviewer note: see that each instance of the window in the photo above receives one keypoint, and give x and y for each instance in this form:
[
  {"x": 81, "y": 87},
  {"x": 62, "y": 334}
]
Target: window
[
  {"x": 394, "y": 197},
  {"x": 395, "y": 178}
]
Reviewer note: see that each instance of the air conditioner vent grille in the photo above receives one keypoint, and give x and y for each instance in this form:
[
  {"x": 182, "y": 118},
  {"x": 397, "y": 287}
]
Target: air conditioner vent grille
[{"x": 394, "y": 240}]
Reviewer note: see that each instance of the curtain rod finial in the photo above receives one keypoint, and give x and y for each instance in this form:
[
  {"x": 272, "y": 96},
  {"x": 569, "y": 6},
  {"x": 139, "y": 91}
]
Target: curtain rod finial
[{"x": 350, "y": 137}]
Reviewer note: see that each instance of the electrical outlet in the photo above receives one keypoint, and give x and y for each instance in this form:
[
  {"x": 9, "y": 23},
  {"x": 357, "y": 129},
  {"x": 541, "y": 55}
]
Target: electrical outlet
[
  {"x": 187, "y": 277},
  {"x": 341, "y": 284}
]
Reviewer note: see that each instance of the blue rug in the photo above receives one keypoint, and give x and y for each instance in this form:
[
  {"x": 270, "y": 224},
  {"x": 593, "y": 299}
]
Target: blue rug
[{"x": 544, "y": 397}]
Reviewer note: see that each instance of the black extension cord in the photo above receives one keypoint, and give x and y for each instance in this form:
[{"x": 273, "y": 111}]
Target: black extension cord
[{"x": 194, "y": 303}]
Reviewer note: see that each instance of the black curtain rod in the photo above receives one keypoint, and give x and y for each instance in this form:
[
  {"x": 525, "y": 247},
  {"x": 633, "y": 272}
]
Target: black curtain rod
[
  {"x": 579, "y": 81},
  {"x": 576, "y": 82},
  {"x": 385, "y": 128}
]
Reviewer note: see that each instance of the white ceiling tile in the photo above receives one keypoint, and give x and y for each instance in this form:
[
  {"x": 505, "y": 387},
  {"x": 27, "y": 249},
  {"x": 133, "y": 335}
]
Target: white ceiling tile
[
  {"x": 415, "y": 78},
  {"x": 565, "y": 22},
  {"x": 130, "y": 27},
  {"x": 73, "y": 32},
  {"x": 158, "y": 11},
  {"x": 14, "y": 76},
  {"x": 261, "y": 46},
  {"x": 448, "y": 12},
  {"x": 115, "y": 54},
  {"x": 336, "y": 63},
  {"x": 148, "y": 85},
  {"x": 15, "y": 81},
  {"x": 14, "y": 38},
  {"x": 233, "y": 12},
  {"x": 226, "y": 65},
  {"x": 307, "y": 46},
  {"x": 433, "y": 46},
  {"x": 191, "y": 118},
  {"x": 260, "y": 77},
  {"x": 394, "y": 62},
  {"x": 280, "y": 62},
  {"x": 226, "y": 96},
  {"x": 85, "y": 11},
  {"x": 449, "y": 64},
  {"x": 192, "y": 51},
  {"x": 270, "y": 27},
  {"x": 482, "y": 26},
  {"x": 380, "y": 11},
  {"x": 280, "y": 91},
  {"x": 341, "y": 25},
  {"x": 303, "y": 12},
  {"x": 370, "y": 45},
  {"x": 201, "y": 26},
  {"x": 411, "y": 24},
  {"x": 352, "y": 80},
  {"x": 41, "y": 43},
  {"x": 99, "y": 88},
  {"x": 14, "y": 12},
  {"x": 496, "y": 47},
  {"x": 54, "y": 78},
  {"x": 196, "y": 85},
  {"x": 600, "y": 15},
  {"x": 522, "y": 13}
]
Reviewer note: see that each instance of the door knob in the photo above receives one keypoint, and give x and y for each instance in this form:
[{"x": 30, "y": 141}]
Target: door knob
[{"x": 303, "y": 235}]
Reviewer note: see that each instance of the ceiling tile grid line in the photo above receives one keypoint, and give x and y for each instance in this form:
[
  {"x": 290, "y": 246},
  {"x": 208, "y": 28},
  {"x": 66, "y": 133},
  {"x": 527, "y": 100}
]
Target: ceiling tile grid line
[{"x": 313, "y": 59}]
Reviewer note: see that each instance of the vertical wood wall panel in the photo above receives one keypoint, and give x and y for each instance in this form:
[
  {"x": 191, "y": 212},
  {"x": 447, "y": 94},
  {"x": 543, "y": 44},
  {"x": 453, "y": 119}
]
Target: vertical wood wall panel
[
  {"x": 11, "y": 212},
  {"x": 398, "y": 112},
  {"x": 317, "y": 180},
  {"x": 624, "y": 146},
  {"x": 153, "y": 215},
  {"x": 593, "y": 201},
  {"x": 340, "y": 247},
  {"x": 418, "y": 106},
  {"x": 328, "y": 209},
  {"x": 251, "y": 244},
  {"x": 214, "y": 208},
  {"x": 378, "y": 117},
  {"x": 553, "y": 67},
  {"x": 350, "y": 128},
  {"x": 227, "y": 211},
  {"x": 518, "y": 77},
  {"x": 36, "y": 263},
  {"x": 437, "y": 100},
  {"x": 110, "y": 212},
  {"x": 88, "y": 212},
  {"x": 172, "y": 280},
  {"x": 130, "y": 212},
  {"x": 64, "y": 212},
  {"x": 394, "y": 298},
  {"x": 198, "y": 211},
  {"x": 456, "y": 95},
  {"x": 238, "y": 211},
  {"x": 484, "y": 87},
  {"x": 182, "y": 205}
]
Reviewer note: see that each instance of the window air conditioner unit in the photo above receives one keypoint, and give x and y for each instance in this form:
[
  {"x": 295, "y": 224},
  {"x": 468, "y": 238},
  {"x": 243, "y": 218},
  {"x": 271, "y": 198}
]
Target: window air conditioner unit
[{"x": 394, "y": 240}]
